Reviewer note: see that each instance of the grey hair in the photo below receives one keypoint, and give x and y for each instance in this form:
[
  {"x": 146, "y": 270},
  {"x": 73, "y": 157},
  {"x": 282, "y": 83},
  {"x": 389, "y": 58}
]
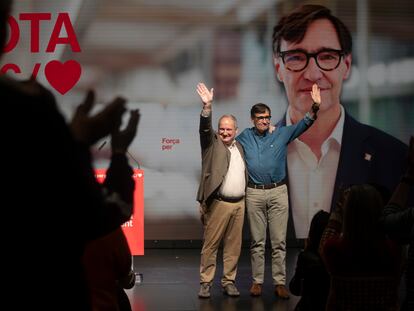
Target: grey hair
[{"x": 228, "y": 116}]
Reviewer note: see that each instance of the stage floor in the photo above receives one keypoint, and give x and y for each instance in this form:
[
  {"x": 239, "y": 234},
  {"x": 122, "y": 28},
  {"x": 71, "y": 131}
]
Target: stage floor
[{"x": 171, "y": 282}]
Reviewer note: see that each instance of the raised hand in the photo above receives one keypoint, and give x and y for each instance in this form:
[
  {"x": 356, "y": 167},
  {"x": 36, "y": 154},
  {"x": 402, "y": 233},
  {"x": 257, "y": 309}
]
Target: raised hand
[
  {"x": 205, "y": 95},
  {"x": 316, "y": 97},
  {"x": 89, "y": 129},
  {"x": 120, "y": 140},
  {"x": 316, "y": 94},
  {"x": 272, "y": 128}
]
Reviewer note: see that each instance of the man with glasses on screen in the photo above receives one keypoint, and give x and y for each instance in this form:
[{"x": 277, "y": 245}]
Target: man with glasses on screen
[
  {"x": 311, "y": 46},
  {"x": 266, "y": 194}
]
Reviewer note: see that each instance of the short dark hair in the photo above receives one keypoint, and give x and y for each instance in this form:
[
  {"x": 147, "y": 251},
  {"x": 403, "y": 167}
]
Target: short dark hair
[
  {"x": 5, "y": 8},
  {"x": 259, "y": 108},
  {"x": 292, "y": 27}
]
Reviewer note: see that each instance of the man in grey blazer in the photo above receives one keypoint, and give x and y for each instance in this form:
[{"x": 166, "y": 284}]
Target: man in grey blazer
[{"x": 221, "y": 196}]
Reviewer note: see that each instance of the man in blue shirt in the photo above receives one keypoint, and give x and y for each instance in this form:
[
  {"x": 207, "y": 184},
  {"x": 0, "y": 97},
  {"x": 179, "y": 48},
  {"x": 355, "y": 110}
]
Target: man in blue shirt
[{"x": 266, "y": 194}]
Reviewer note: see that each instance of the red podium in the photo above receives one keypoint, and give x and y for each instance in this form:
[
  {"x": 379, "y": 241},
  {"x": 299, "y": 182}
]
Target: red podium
[{"x": 134, "y": 228}]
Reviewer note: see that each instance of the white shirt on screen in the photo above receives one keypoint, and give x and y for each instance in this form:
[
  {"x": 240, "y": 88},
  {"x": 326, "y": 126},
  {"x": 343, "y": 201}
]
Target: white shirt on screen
[{"x": 311, "y": 182}]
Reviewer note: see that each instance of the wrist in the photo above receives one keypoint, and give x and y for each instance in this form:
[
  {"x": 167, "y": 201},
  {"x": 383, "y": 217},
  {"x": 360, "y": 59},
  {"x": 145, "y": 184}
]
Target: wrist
[
  {"x": 311, "y": 116},
  {"x": 315, "y": 107},
  {"x": 206, "y": 112}
]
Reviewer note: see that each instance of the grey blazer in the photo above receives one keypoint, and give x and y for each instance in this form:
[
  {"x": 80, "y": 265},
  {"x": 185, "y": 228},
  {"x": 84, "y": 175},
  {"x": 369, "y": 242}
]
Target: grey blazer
[{"x": 215, "y": 161}]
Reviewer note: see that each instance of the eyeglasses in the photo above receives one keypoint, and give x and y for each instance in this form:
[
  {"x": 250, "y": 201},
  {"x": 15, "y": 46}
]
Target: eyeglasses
[
  {"x": 263, "y": 117},
  {"x": 297, "y": 60}
]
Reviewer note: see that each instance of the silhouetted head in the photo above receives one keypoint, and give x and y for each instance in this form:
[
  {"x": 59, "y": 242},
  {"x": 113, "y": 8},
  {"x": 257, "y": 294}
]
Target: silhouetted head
[
  {"x": 362, "y": 211},
  {"x": 383, "y": 191},
  {"x": 317, "y": 226},
  {"x": 5, "y": 8}
]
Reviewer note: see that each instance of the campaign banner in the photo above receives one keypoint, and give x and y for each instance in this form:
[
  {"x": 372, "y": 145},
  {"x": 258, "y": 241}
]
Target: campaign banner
[{"x": 133, "y": 228}]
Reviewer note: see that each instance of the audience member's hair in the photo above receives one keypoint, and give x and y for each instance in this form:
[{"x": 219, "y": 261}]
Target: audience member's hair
[
  {"x": 5, "y": 8},
  {"x": 362, "y": 211},
  {"x": 317, "y": 226},
  {"x": 383, "y": 191}
]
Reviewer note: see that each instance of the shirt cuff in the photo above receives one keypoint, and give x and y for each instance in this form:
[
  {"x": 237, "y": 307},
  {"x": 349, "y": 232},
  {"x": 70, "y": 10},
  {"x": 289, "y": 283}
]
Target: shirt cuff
[
  {"x": 308, "y": 118},
  {"x": 205, "y": 113}
]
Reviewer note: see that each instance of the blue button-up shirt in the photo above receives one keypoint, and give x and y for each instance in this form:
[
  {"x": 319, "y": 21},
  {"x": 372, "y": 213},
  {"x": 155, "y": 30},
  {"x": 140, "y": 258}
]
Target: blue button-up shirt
[{"x": 266, "y": 154}]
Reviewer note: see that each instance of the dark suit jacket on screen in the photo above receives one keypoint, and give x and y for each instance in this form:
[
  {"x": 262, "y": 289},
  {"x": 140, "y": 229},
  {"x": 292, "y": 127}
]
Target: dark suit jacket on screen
[{"x": 368, "y": 155}]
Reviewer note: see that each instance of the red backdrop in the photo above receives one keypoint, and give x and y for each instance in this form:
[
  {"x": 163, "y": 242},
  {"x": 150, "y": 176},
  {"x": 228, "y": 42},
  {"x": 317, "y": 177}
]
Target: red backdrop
[{"x": 134, "y": 228}]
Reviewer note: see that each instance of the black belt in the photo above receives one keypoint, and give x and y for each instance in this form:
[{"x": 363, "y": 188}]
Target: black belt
[
  {"x": 267, "y": 186},
  {"x": 230, "y": 200}
]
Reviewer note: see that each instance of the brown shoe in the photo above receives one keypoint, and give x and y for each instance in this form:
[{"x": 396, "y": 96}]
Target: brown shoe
[
  {"x": 281, "y": 292},
  {"x": 256, "y": 289}
]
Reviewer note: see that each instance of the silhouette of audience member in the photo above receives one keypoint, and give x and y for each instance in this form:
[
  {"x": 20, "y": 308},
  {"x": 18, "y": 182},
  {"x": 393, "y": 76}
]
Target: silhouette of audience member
[
  {"x": 364, "y": 265},
  {"x": 108, "y": 260},
  {"x": 56, "y": 203},
  {"x": 399, "y": 224},
  {"x": 107, "y": 263},
  {"x": 311, "y": 280}
]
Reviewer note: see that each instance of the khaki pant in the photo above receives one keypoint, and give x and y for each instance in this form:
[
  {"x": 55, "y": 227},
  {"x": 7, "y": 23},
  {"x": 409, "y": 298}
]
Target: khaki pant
[
  {"x": 223, "y": 221},
  {"x": 268, "y": 207}
]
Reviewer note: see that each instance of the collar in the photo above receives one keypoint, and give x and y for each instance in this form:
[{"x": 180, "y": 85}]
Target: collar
[
  {"x": 232, "y": 145},
  {"x": 256, "y": 132},
  {"x": 335, "y": 135}
]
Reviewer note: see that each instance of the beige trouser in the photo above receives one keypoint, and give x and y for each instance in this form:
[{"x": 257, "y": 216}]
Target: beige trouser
[
  {"x": 268, "y": 207},
  {"x": 223, "y": 221}
]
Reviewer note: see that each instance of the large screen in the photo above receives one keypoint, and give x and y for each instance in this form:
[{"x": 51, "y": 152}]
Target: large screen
[{"x": 154, "y": 52}]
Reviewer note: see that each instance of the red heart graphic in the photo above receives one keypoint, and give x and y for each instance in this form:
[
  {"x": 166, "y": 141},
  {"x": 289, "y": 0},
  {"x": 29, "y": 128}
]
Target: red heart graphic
[{"x": 63, "y": 76}]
